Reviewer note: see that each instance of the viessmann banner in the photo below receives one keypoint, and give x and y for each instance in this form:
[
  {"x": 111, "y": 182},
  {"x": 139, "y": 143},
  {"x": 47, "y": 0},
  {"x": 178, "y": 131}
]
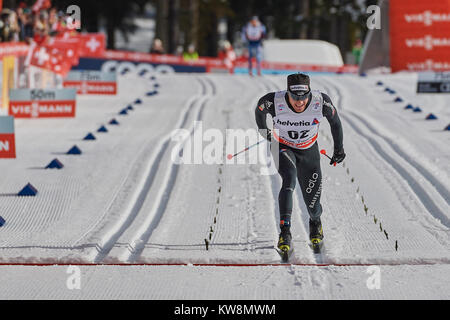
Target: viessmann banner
[
  {"x": 7, "y": 138},
  {"x": 420, "y": 35},
  {"x": 92, "y": 82},
  {"x": 42, "y": 103}
]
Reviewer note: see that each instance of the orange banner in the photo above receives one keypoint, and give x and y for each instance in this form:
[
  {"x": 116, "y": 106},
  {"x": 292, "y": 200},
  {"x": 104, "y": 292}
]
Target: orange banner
[
  {"x": 419, "y": 35},
  {"x": 7, "y": 80}
]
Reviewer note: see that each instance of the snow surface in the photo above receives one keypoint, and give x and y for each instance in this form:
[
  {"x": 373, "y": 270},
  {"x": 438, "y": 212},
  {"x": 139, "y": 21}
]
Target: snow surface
[{"x": 123, "y": 202}]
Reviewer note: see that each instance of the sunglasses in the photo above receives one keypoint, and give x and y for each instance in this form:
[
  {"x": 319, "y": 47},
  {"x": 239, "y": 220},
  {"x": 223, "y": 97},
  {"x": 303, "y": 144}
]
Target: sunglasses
[{"x": 298, "y": 97}]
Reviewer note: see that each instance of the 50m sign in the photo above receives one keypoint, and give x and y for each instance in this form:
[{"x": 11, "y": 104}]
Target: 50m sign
[{"x": 32, "y": 103}]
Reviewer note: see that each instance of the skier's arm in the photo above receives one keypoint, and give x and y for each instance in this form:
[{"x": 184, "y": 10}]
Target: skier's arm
[
  {"x": 264, "y": 107},
  {"x": 244, "y": 34},
  {"x": 264, "y": 33},
  {"x": 329, "y": 111}
]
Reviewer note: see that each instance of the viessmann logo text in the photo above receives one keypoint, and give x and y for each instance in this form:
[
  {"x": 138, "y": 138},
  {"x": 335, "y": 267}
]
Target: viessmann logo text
[
  {"x": 427, "y": 18},
  {"x": 427, "y": 42},
  {"x": 37, "y": 109},
  {"x": 429, "y": 64},
  {"x": 26, "y": 103}
]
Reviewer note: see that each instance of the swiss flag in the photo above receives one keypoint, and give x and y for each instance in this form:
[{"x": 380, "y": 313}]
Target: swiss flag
[
  {"x": 41, "y": 4},
  {"x": 69, "y": 47},
  {"x": 59, "y": 61},
  {"x": 53, "y": 59},
  {"x": 92, "y": 44},
  {"x": 39, "y": 57}
]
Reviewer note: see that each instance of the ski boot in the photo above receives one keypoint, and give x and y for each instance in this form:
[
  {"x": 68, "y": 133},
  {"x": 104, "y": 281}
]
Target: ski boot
[
  {"x": 284, "y": 243},
  {"x": 316, "y": 235}
]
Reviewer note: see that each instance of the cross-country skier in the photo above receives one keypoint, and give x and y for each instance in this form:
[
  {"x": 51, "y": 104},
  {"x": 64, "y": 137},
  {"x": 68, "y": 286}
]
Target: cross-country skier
[
  {"x": 296, "y": 114},
  {"x": 253, "y": 33}
]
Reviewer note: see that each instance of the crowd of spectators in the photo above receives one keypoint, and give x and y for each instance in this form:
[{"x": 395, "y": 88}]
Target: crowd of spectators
[
  {"x": 24, "y": 24},
  {"x": 27, "y": 24}
]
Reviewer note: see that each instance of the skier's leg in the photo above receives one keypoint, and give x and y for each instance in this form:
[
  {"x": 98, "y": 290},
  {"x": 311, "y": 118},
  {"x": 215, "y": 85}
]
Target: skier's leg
[
  {"x": 310, "y": 180},
  {"x": 250, "y": 57},
  {"x": 288, "y": 172},
  {"x": 258, "y": 59}
]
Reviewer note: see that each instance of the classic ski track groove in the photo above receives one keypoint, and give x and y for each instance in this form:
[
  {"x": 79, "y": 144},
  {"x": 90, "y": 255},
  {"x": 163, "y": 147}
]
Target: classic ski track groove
[
  {"x": 402, "y": 169},
  {"x": 109, "y": 240},
  {"x": 428, "y": 226},
  {"x": 137, "y": 245},
  {"x": 434, "y": 182},
  {"x": 274, "y": 180},
  {"x": 400, "y": 150},
  {"x": 224, "y": 180}
]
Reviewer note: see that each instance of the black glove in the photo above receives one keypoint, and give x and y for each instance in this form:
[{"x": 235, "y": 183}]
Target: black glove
[{"x": 338, "y": 156}]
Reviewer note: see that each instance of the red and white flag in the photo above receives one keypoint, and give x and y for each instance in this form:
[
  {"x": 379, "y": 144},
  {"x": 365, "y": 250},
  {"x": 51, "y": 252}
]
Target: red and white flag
[
  {"x": 92, "y": 44},
  {"x": 59, "y": 61},
  {"x": 68, "y": 46},
  {"x": 51, "y": 58},
  {"x": 41, "y": 4},
  {"x": 39, "y": 57}
]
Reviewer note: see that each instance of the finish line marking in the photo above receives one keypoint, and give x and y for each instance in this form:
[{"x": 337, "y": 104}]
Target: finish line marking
[{"x": 217, "y": 264}]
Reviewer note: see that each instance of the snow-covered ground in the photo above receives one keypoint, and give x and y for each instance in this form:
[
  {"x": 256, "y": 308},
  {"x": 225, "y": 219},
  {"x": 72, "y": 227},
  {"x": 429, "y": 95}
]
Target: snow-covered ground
[{"x": 137, "y": 222}]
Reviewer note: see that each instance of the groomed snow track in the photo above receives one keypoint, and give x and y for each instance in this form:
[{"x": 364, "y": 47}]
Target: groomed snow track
[{"x": 124, "y": 210}]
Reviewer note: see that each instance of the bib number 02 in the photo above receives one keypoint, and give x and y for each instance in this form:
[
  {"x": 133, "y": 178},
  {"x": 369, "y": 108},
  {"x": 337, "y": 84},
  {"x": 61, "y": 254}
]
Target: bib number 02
[{"x": 298, "y": 134}]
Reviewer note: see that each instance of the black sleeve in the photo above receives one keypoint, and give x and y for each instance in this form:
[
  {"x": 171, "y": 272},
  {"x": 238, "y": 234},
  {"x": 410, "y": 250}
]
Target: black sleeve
[
  {"x": 329, "y": 111},
  {"x": 265, "y": 106}
]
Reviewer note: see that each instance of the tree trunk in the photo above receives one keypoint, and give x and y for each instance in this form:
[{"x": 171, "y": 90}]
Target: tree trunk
[
  {"x": 194, "y": 12},
  {"x": 172, "y": 26},
  {"x": 305, "y": 7},
  {"x": 334, "y": 30},
  {"x": 212, "y": 38},
  {"x": 110, "y": 33},
  {"x": 161, "y": 21}
]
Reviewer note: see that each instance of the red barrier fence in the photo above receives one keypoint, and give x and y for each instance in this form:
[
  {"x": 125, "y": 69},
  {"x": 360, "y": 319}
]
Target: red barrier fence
[
  {"x": 92, "y": 46},
  {"x": 13, "y": 49}
]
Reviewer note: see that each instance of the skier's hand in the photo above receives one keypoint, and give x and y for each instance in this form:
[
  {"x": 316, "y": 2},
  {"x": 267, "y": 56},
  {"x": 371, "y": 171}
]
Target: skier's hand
[
  {"x": 267, "y": 134},
  {"x": 338, "y": 156}
]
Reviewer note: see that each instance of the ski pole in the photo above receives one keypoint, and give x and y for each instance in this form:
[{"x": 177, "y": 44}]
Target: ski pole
[
  {"x": 231, "y": 156},
  {"x": 324, "y": 152}
]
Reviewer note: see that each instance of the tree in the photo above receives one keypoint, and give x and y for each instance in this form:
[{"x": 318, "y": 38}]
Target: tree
[{"x": 113, "y": 12}]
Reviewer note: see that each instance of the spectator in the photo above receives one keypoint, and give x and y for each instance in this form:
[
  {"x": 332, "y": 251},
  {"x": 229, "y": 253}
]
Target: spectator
[
  {"x": 28, "y": 29},
  {"x": 227, "y": 55},
  {"x": 53, "y": 22},
  {"x": 253, "y": 33},
  {"x": 40, "y": 35},
  {"x": 6, "y": 31},
  {"x": 356, "y": 50},
  {"x": 157, "y": 47},
  {"x": 179, "y": 51},
  {"x": 14, "y": 26},
  {"x": 42, "y": 21},
  {"x": 41, "y": 28},
  {"x": 191, "y": 54},
  {"x": 20, "y": 22}
]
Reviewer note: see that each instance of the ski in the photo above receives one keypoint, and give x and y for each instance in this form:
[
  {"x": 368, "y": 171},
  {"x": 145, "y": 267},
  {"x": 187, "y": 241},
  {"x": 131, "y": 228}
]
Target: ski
[
  {"x": 316, "y": 246},
  {"x": 285, "y": 254}
]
